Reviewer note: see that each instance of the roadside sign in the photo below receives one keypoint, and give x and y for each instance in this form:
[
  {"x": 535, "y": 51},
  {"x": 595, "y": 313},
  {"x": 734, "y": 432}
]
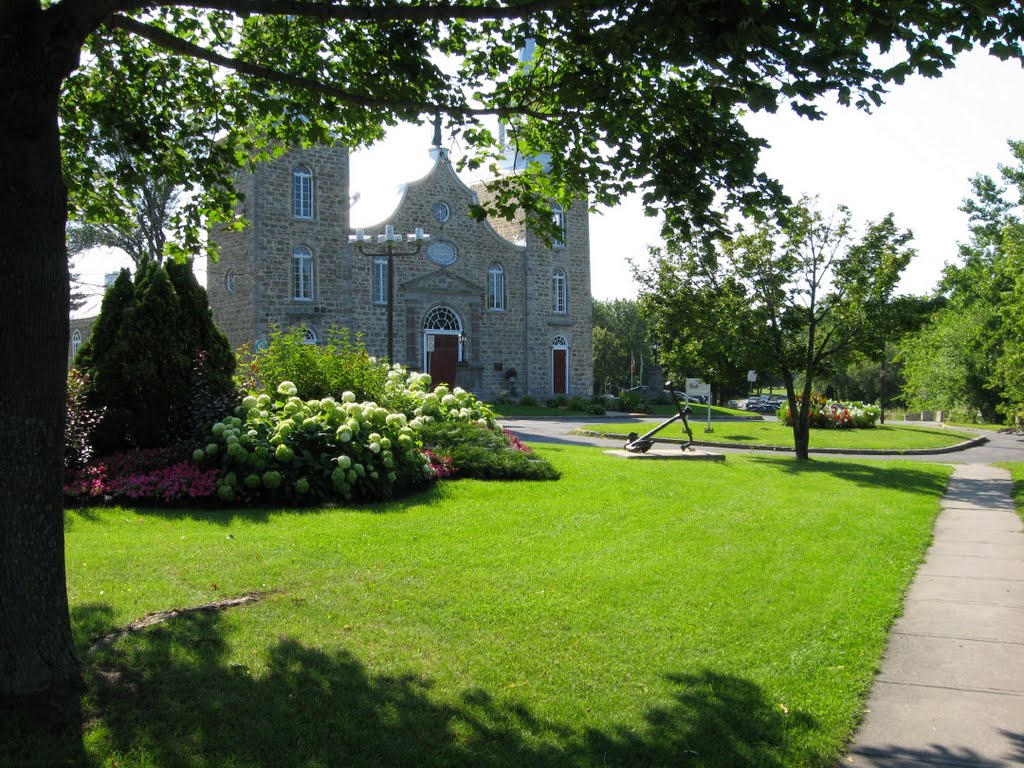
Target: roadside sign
[
  {"x": 751, "y": 376},
  {"x": 698, "y": 387}
]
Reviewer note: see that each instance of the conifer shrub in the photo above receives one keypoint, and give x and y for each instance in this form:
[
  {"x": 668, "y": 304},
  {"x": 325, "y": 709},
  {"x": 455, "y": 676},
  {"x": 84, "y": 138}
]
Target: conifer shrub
[{"x": 154, "y": 352}]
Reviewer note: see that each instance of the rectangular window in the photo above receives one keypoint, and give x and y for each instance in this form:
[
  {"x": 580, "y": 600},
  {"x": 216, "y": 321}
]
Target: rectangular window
[
  {"x": 303, "y": 275},
  {"x": 559, "y": 293},
  {"x": 380, "y": 280},
  {"x": 496, "y": 288},
  {"x": 558, "y": 215}
]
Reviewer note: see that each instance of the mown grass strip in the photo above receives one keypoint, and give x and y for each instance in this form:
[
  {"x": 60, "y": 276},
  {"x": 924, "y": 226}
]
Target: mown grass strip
[
  {"x": 776, "y": 434},
  {"x": 631, "y": 613}
]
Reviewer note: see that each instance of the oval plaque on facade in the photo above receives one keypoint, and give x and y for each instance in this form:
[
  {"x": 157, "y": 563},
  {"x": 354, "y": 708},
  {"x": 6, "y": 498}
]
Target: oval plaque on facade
[{"x": 442, "y": 253}]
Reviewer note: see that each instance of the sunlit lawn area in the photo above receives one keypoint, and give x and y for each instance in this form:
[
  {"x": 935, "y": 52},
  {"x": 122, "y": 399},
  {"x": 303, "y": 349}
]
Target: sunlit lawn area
[
  {"x": 632, "y": 613},
  {"x": 774, "y": 433}
]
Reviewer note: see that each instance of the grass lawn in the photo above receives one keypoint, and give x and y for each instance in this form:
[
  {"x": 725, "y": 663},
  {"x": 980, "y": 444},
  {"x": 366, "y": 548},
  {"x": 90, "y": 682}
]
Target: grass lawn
[
  {"x": 980, "y": 427},
  {"x": 1016, "y": 470},
  {"x": 774, "y": 433},
  {"x": 630, "y": 614}
]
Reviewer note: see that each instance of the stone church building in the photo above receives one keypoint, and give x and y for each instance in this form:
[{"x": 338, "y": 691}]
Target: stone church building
[{"x": 487, "y": 306}]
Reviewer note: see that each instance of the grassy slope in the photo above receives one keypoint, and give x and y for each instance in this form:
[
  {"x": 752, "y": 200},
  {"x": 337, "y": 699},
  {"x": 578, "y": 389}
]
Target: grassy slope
[
  {"x": 634, "y": 613},
  {"x": 777, "y": 434}
]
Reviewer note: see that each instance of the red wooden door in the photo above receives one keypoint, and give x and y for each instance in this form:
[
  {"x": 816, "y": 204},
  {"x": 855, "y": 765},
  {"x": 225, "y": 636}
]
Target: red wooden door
[
  {"x": 443, "y": 359},
  {"x": 559, "y": 358}
]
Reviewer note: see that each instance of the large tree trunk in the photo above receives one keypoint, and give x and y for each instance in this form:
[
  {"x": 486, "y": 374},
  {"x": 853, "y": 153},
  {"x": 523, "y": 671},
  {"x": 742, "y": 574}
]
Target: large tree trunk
[{"x": 37, "y": 654}]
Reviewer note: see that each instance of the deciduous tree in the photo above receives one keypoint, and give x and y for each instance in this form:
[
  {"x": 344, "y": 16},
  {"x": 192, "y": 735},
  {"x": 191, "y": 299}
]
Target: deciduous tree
[
  {"x": 619, "y": 95},
  {"x": 803, "y": 293}
]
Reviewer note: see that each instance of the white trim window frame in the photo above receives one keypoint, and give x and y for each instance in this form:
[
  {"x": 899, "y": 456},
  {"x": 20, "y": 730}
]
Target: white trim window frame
[
  {"x": 302, "y": 192},
  {"x": 496, "y": 288},
  {"x": 380, "y": 279},
  {"x": 302, "y": 273},
  {"x": 559, "y": 217},
  {"x": 559, "y": 292}
]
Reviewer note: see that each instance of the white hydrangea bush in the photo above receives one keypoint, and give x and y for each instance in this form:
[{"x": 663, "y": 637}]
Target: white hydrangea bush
[
  {"x": 409, "y": 392},
  {"x": 282, "y": 448}
]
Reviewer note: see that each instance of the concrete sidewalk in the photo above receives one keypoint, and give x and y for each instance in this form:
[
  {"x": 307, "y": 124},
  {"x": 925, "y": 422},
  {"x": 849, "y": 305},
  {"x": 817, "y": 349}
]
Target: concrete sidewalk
[{"x": 951, "y": 688}]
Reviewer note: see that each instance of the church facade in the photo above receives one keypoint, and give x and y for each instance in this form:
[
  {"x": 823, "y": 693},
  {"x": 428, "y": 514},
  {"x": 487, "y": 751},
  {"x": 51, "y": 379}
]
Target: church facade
[{"x": 488, "y": 306}]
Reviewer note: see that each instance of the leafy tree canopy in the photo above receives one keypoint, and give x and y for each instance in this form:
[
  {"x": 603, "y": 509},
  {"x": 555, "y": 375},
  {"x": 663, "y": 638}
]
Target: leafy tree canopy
[
  {"x": 619, "y": 95},
  {"x": 616, "y": 95},
  {"x": 799, "y": 298},
  {"x": 967, "y": 360}
]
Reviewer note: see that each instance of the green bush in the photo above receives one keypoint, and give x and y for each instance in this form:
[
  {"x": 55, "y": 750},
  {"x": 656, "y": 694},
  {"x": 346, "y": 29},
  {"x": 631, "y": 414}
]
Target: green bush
[
  {"x": 634, "y": 404},
  {"x": 528, "y": 400},
  {"x": 576, "y": 403},
  {"x": 340, "y": 364},
  {"x": 484, "y": 453},
  {"x": 281, "y": 448},
  {"x": 153, "y": 347},
  {"x": 409, "y": 392}
]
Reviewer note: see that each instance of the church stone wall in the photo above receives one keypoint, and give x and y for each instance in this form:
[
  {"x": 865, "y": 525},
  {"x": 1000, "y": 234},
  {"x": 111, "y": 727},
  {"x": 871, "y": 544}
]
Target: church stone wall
[{"x": 519, "y": 336}]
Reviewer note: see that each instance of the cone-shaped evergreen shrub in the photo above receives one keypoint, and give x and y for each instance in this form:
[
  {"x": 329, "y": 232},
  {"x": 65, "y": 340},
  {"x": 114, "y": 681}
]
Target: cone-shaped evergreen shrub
[{"x": 153, "y": 352}]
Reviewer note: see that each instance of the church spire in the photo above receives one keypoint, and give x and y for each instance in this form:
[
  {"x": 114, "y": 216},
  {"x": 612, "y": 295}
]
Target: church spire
[{"x": 438, "y": 152}]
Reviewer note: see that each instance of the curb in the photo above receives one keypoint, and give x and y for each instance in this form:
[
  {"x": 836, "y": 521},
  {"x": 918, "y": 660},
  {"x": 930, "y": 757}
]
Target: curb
[{"x": 972, "y": 443}]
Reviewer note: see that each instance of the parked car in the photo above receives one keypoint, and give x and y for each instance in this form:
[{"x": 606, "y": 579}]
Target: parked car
[{"x": 732, "y": 404}]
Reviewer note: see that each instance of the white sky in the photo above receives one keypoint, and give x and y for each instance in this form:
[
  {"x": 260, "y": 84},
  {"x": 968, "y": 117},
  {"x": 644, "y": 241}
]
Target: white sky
[{"x": 914, "y": 156}]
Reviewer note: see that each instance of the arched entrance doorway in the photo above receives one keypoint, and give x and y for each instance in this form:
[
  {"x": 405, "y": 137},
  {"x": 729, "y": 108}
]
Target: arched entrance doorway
[
  {"x": 442, "y": 344},
  {"x": 559, "y": 365}
]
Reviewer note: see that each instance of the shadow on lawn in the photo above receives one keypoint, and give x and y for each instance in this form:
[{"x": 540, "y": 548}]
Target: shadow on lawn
[
  {"x": 904, "y": 476},
  {"x": 220, "y": 515},
  {"x": 168, "y": 697}
]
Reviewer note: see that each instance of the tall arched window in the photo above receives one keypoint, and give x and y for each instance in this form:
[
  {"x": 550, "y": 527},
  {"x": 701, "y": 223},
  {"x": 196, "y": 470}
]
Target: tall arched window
[
  {"x": 559, "y": 292},
  {"x": 302, "y": 274},
  {"x": 302, "y": 192},
  {"x": 76, "y": 343},
  {"x": 496, "y": 288},
  {"x": 558, "y": 215}
]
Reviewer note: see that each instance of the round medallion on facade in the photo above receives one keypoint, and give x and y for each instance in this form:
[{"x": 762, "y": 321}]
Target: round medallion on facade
[
  {"x": 442, "y": 211},
  {"x": 442, "y": 253}
]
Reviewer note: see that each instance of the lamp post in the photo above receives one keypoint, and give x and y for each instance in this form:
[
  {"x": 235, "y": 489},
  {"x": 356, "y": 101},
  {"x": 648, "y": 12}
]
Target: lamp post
[{"x": 387, "y": 245}]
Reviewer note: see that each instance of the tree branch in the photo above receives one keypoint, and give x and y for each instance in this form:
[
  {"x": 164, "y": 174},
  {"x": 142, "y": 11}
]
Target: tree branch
[
  {"x": 176, "y": 44},
  {"x": 332, "y": 10}
]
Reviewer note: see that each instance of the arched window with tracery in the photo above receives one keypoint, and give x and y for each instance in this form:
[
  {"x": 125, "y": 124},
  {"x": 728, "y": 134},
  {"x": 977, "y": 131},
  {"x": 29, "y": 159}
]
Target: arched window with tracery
[{"x": 302, "y": 192}]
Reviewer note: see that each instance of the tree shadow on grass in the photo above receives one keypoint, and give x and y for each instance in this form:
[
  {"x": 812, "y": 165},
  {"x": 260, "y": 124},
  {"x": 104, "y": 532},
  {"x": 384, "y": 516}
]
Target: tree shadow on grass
[
  {"x": 893, "y": 475},
  {"x": 170, "y": 697},
  {"x": 219, "y": 515}
]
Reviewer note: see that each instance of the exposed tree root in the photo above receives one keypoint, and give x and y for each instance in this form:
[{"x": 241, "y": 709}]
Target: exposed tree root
[{"x": 161, "y": 616}]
